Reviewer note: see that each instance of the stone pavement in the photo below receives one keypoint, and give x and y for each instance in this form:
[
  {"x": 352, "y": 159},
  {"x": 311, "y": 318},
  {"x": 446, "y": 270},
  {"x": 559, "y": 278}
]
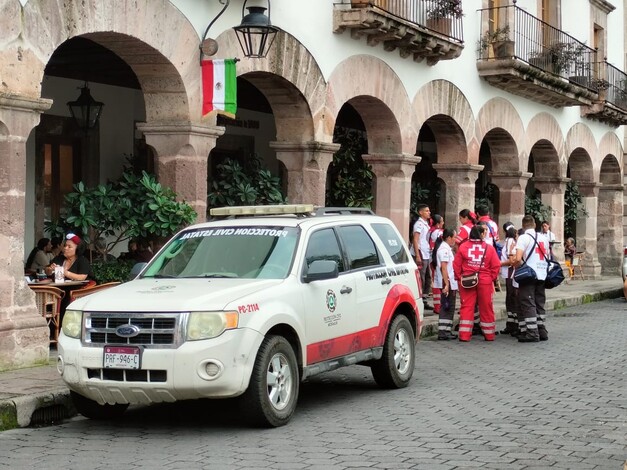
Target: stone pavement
[{"x": 38, "y": 396}]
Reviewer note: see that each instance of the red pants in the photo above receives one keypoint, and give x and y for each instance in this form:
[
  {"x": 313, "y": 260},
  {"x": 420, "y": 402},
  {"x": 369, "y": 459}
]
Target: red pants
[{"x": 482, "y": 294}]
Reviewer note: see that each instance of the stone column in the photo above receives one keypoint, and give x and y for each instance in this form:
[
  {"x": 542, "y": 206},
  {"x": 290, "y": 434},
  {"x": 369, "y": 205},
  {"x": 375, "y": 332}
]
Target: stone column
[
  {"x": 460, "y": 179},
  {"x": 587, "y": 229},
  {"x": 511, "y": 196},
  {"x": 24, "y": 335},
  {"x": 610, "y": 231},
  {"x": 553, "y": 190},
  {"x": 393, "y": 186},
  {"x": 306, "y": 164},
  {"x": 182, "y": 151}
]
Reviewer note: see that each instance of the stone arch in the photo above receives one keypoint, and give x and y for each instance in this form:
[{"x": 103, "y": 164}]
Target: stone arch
[
  {"x": 610, "y": 172},
  {"x": 441, "y": 103},
  {"x": 291, "y": 81},
  {"x": 580, "y": 136},
  {"x": 167, "y": 70},
  {"x": 609, "y": 145},
  {"x": 545, "y": 138},
  {"x": 498, "y": 113},
  {"x": 503, "y": 150},
  {"x": 580, "y": 166},
  {"x": 381, "y": 101}
]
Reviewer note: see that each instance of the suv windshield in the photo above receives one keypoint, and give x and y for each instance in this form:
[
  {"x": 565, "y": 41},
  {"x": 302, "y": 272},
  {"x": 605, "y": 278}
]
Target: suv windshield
[{"x": 227, "y": 252}]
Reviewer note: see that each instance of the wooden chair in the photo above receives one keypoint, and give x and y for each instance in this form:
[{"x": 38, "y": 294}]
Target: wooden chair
[
  {"x": 78, "y": 293},
  {"x": 48, "y": 300},
  {"x": 578, "y": 262}
]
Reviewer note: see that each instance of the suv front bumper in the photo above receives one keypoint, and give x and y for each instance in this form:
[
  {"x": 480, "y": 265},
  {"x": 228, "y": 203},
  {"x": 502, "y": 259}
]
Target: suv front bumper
[{"x": 215, "y": 368}]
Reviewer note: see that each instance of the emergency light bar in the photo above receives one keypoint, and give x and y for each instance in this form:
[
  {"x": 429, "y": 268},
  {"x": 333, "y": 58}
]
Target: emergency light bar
[{"x": 262, "y": 210}]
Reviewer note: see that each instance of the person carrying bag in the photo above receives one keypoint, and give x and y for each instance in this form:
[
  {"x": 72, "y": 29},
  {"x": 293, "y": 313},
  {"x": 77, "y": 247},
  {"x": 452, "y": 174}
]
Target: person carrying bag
[{"x": 476, "y": 266}]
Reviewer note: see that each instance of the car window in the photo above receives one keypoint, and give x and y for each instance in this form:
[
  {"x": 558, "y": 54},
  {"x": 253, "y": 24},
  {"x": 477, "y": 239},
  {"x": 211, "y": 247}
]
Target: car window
[
  {"x": 360, "y": 248},
  {"x": 323, "y": 245},
  {"x": 393, "y": 244},
  {"x": 231, "y": 252}
]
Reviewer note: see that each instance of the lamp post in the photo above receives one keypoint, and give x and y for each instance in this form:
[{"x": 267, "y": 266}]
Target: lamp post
[
  {"x": 85, "y": 110},
  {"x": 255, "y": 34}
]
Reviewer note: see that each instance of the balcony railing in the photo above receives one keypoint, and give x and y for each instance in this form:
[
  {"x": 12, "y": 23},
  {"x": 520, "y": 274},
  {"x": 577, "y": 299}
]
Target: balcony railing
[
  {"x": 436, "y": 15},
  {"x": 511, "y": 32},
  {"x": 424, "y": 30},
  {"x": 612, "y": 84}
]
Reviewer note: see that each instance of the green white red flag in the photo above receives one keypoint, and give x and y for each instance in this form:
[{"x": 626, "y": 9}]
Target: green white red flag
[{"x": 219, "y": 87}]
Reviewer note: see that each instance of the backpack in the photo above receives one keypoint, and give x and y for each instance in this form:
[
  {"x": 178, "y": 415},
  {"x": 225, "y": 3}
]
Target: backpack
[{"x": 497, "y": 245}]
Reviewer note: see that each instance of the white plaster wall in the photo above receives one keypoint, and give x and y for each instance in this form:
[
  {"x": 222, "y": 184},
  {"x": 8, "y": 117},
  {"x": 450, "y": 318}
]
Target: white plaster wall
[{"x": 311, "y": 22}]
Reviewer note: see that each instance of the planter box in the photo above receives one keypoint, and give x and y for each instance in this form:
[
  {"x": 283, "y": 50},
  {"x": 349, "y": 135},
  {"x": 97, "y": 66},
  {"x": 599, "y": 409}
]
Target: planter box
[
  {"x": 503, "y": 49},
  {"x": 441, "y": 25}
]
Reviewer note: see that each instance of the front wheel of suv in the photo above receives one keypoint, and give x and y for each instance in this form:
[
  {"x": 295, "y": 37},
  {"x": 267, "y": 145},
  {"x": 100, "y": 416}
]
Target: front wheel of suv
[
  {"x": 271, "y": 397},
  {"x": 396, "y": 366}
]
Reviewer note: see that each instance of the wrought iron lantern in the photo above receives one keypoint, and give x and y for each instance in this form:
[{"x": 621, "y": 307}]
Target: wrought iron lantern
[
  {"x": 255, "y": 34},
  {"x": 85, "y": 110}
]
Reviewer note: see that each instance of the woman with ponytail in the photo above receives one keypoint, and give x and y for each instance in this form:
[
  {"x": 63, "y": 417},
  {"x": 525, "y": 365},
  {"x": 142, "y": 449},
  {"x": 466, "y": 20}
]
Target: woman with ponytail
[
  {"x": 435, "y": 232},
  {"x": 467, "y": 219},
  {"x": 444, "y": 280}
]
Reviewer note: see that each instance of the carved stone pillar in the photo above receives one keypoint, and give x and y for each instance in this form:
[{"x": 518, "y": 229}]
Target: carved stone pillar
[
  {"x": 307, "y": 164},
  {"x": 553, "y": 190},
  {"x": 610, "y": 232},
  {"x": 24, "y": 335},
  {"x": 511, "y": 196},
  {"x": 393, "y": 186},
  {"x": 460, "y": 179},
  {"x": 182, "y": 150},
  {"x": 587, "y": 229}
]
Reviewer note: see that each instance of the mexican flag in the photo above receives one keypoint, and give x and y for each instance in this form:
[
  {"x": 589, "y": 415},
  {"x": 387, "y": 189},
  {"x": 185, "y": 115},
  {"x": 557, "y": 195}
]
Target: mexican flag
[{"x": 219, "y": 87}]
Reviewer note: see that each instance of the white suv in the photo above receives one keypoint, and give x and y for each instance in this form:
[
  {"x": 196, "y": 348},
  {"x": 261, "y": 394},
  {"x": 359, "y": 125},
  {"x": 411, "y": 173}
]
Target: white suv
[{"x": 249, "y": 304}]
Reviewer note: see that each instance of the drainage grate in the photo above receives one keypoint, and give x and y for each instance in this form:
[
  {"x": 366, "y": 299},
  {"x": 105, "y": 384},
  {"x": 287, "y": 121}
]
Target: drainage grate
[{"x": 48, "y": 415}]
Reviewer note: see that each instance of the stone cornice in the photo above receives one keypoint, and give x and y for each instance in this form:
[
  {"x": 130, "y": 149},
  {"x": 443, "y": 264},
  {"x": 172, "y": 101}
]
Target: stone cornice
[
  {"x": 603, "y": 5},
  {"x": 24, "y": 103}
]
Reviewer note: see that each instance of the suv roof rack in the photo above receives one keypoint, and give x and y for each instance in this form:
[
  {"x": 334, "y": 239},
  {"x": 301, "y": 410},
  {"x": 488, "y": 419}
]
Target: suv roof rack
[
  {"x": 343, "y": 211},
  {"x": 298, "y": 210},
  {"x": 278, "y": 209}
]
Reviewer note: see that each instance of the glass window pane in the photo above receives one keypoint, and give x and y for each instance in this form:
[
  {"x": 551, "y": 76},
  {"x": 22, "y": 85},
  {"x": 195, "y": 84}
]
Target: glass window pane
[
  {"x": 323, "y": 245},
  {"x": 393, "y": 244},
  {"x": 360, "y": 248}
]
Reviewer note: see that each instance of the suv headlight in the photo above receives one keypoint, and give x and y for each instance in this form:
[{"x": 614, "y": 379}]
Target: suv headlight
[
  {"x": 72, "y": 322},
  {"x": 205, "y": 325}
]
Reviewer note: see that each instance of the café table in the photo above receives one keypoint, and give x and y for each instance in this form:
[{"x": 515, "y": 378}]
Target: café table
[{"x": 66, "y": 286}]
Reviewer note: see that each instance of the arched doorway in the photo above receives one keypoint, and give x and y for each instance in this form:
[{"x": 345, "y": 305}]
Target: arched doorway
[{"x": 609, "y": 216}]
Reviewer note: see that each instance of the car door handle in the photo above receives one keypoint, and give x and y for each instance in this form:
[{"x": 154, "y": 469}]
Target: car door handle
[
  {"x": 346, "y": 290},
  {"x": 387, "y": 280}
]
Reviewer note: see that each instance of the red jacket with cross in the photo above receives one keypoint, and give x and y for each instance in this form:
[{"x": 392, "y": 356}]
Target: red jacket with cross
[{"x": 477, "y": 255}]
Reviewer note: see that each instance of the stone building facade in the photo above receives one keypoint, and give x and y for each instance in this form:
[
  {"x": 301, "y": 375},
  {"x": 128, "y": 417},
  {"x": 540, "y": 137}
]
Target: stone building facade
[{"x": 396, "y": 71}]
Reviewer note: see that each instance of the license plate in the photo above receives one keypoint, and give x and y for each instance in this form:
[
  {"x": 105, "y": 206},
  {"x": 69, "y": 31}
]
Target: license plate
[{"x": 122, "y": 357}]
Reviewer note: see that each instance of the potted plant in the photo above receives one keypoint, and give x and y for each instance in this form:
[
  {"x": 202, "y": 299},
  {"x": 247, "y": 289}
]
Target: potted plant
[
  {"x": 441, "y": 14},
  {"x": 565, "y": 55},
  {"x": 499, "y": 39}
]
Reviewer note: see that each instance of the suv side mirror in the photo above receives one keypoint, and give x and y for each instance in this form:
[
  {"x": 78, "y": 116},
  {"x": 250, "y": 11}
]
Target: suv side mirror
[{"x": 321, "y": 269}]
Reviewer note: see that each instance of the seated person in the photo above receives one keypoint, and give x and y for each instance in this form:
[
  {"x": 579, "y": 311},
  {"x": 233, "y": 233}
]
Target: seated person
[
  {"x": 57, "y": 247},
  {"x": 99, "y": 253},
  {"x": 132, "y": 251},
  {"x": 75, "y": 266},
  {"x": 38, "y": 257},
  {"x": 569, "y": 254}
]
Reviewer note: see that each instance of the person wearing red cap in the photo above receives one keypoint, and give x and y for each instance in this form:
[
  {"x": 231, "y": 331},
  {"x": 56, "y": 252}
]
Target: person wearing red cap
[{"x": 75, "y": 266}]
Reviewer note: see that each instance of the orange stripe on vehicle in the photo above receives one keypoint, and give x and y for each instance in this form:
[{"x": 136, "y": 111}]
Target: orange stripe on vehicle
[{"x": 365, "y": 339}]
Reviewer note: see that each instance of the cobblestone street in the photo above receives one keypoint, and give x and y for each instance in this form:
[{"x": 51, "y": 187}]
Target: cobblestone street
[{"x": 501, "y": 405}]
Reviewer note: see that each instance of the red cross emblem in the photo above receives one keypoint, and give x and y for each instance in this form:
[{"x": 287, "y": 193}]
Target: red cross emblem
[
  {"x": 540, "y": 249},
  {"x": 476, "y": 253}
]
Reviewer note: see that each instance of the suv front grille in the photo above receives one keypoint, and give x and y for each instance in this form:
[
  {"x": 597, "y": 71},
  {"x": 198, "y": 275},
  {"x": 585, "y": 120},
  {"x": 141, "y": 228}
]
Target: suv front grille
[{"x": 155, "y": 329}]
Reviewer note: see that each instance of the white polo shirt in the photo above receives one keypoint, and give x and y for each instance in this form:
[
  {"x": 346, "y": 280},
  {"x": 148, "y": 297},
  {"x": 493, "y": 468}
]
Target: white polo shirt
[{"x": 534, "y": 253}]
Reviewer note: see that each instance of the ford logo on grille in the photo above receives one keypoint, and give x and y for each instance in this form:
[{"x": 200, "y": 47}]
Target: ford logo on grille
[{"x": 127, "y": 331}]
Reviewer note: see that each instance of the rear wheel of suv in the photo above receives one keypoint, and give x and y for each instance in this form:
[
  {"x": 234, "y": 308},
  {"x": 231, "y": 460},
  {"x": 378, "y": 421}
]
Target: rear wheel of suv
[
  {"x": 396, "y": 366},
  {"x": 93, "y": 410},
  {"x": 271, "y": 397}
]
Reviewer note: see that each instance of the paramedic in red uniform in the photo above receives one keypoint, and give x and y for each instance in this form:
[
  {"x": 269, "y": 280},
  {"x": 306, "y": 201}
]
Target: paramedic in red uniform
[
  {"x": 468, "y": 219},
  {"x": 475, "y": 255}
]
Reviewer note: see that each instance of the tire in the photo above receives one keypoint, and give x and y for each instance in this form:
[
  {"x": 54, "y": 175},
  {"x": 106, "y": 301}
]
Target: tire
[
  {"x": 396, "y": 366},
  {"x": 92, "y": 410},
  {"x": 272, "y": 404}
]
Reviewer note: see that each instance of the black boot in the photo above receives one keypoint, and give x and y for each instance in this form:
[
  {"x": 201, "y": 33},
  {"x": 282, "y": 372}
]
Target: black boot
[
  {"x": 527, "y": 337},
  {"x": 543, "y": 334},
  {"x": 446, "y": 336}
]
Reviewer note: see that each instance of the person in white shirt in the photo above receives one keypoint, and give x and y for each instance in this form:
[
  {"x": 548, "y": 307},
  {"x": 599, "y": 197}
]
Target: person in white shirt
[
  {"x": 532, "y": 248},
  {"x": 420, "y": 249},
  {"x": 512, "y": 303},
  {"x": 546, "y": 229},
  {"x": 444, "y": 279}
]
